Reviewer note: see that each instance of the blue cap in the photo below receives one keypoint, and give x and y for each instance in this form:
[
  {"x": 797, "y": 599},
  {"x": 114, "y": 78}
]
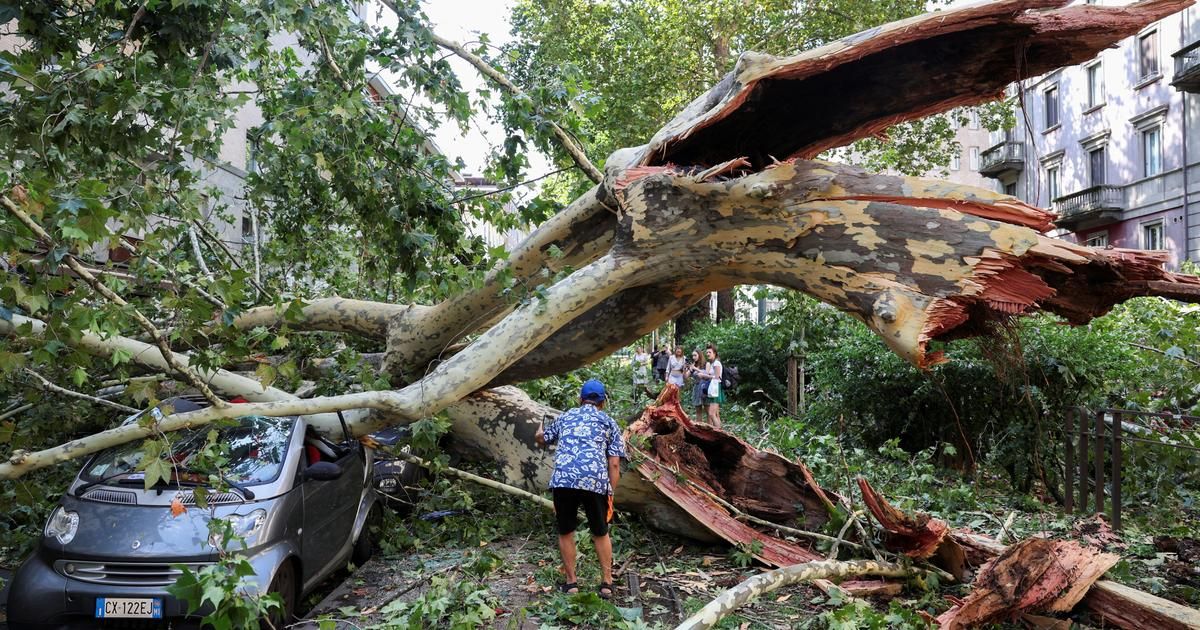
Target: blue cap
[{"x": 592, "y": 390}]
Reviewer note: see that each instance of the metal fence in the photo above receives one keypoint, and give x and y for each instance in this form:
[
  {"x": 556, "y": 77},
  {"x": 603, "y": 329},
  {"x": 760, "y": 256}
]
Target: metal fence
[{"x": 1095, "y": 444}]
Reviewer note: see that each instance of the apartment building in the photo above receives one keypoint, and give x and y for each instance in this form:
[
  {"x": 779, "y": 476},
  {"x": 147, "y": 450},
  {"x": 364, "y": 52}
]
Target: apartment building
[{"x": 1113, "y": 144}]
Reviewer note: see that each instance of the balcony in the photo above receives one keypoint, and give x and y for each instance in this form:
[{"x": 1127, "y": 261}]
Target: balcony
[
  {"x": 1187, "y": 68},
  {"x": 1007, "y": 157},
  {"x": 1090, "y": 207}
]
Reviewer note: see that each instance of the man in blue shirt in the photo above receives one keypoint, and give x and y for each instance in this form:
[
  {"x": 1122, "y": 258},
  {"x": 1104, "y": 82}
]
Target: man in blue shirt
[{"x": 587, "y": 467}]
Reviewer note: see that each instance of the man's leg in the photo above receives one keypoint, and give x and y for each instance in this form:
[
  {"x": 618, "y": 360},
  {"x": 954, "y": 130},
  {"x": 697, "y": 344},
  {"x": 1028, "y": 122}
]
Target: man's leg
[
  {"x": 566, "y": 547},
  {"x": 604, "y": 553},
  {"x": 566, "y": 506}
]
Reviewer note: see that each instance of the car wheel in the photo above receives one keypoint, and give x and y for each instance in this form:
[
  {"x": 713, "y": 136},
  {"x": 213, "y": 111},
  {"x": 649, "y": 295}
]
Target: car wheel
[
  {"x": 364, "y": 547},
  {"x": 285, "y": 584}
]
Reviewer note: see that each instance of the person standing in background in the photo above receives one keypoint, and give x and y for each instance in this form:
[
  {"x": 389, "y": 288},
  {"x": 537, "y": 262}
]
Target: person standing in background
[
  {"x": 697, "y": 370},
  {"x": 675, "y": 366},
  {"x": 641, "y": 370},
  {"x": 660, "y": 364},
  {"x": 715, "y": 394}
]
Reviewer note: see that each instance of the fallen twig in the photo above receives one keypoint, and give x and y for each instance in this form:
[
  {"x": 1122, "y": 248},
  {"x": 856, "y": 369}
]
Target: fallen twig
[{"x": 462, "y": 474}]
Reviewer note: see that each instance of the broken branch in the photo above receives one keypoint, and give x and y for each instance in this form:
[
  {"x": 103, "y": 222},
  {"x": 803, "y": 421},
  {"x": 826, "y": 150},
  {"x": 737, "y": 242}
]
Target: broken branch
[
  {"x": 58, "y": 389},
  {"x": 763, "y": 583}
]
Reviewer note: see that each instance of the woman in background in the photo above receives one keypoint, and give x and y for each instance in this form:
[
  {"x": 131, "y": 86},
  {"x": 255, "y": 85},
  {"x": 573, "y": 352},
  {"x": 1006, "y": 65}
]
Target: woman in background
[
  {"x": 715, "y": 395},
  {"x": 641, "y": 371},
  {"x": 675, "y": 368},
  {"x": 697, "y": 370}
]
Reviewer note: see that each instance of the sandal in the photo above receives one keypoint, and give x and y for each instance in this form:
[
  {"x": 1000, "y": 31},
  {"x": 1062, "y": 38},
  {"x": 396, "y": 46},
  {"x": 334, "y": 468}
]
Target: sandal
[
  {"x": 605, "y": 586},
  {"x": 565, "y": 587}
]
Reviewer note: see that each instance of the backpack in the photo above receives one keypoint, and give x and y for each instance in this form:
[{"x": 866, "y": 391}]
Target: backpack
[{"x": 729, "y": 377}]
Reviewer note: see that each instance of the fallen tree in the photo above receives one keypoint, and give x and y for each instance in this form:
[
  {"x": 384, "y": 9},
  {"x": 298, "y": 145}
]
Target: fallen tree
[{"x": 728, "y": 190}]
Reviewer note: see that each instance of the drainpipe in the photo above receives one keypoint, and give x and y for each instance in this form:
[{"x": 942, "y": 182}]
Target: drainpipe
[{"x": 1187, "y": 244}]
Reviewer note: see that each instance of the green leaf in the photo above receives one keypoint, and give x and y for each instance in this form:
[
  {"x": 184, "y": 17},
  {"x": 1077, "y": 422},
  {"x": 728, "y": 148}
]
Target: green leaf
[
  {"x": 78, "y": 376},
  {"x": 157, "y": 470},
  {"x": 266, "y": 374},
  {"x": 119, "y": 356}
]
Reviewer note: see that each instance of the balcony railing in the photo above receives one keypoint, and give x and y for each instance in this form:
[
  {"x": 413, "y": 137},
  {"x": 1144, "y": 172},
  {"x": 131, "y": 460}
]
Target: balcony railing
[
  {"x": 1095, "y": 205},
  {"x": 1002, "y": 158},
  {"x": 1187, "y": 68}
]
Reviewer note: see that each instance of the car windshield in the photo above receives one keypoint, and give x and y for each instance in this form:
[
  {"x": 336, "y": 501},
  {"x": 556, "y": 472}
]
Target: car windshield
[{"x": 257, "y": 448}]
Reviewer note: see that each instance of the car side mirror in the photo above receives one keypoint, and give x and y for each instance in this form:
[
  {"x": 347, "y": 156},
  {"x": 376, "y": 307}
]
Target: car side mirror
[{"x": 323, "y": 471}]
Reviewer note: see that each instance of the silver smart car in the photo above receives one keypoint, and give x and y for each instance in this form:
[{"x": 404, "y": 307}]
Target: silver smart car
[{"x": 303, "y": 504}]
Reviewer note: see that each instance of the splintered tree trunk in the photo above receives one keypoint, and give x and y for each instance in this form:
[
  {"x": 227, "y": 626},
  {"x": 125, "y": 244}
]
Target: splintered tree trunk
[
  {"x": 726, "y": 194},
  {"x": 726, "y": 305}
]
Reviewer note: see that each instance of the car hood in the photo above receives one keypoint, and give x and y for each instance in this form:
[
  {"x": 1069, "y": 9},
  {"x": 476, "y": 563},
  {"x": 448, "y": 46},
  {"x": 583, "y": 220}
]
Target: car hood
[{"x": 143, "y": 533}]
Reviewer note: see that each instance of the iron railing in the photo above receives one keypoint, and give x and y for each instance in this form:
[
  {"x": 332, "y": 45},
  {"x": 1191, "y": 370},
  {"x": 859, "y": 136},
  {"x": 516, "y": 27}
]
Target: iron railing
[
  {"x": 1089, "y": 200},
  {"x": 1187, "y": 68},
  {"x": 1087, "y": 458},
  {"x": 1002, "y": 157}
]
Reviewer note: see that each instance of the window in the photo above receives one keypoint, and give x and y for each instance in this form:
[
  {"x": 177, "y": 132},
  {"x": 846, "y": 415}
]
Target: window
[
  {"x": 974, "y": 158},
  {"x": 247, "y": 228},
  {"x": 1152, "y": 151},
  {"x": 974, "y": 120},
  {"x": 1097, "y": 239},
  {"x": 956, "y": 160},
  {"x": 1097, "y": 166},
  {"x": 1152, "y": 235},
  {"x": 1010, "y": 189},
  {"x": 1095, "y": 85},
  {"x": 1052, "y": 182},
  {"x": 1050, "y": 106},
  {"x": 1148, "y": 55}
]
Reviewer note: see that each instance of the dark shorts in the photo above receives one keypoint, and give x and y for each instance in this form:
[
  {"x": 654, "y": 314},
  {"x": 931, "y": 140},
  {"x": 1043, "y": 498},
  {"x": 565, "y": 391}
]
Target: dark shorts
[{"x": 566, "y": 510}]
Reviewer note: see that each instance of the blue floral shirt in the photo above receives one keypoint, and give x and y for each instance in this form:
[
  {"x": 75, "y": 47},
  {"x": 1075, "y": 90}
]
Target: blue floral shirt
[{"x": 586, "y": 438}]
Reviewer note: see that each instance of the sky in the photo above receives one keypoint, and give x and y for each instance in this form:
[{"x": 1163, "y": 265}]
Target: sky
[{"x": 462, "y": 21}]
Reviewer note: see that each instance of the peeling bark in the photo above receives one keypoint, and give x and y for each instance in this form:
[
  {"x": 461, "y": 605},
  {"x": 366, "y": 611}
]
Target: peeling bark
[
  {"x": 759, "y": 483},
  {"x": 919, "y": 537},
  {"x": 1034, "y": 575},
  {"x": 1111, "y": 602}
]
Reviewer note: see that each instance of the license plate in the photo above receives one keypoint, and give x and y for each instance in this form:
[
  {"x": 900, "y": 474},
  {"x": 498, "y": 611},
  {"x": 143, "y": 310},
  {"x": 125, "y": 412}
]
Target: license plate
[{"x": 129, "y": 608}]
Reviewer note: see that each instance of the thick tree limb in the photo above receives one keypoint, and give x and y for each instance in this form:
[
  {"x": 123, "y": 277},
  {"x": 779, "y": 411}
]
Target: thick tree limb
[
  {"x": 764, "y": 583},
  {"x": 451, "y": 381},
  {"x": 45, "y": 384},
  {"x": 581, "y": 233},
  {"x": 332, "y": 314},
  {"x": 159, "y": 340}
]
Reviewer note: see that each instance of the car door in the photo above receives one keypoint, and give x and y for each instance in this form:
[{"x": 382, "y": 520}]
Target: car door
[{"x": 330, "y": 508}]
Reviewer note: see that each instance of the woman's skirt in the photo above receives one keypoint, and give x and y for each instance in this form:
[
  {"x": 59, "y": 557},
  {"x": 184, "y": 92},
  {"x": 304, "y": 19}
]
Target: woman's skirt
[
  {"x": 698, "y": 392},
  {"x": 718, "y": 399}
]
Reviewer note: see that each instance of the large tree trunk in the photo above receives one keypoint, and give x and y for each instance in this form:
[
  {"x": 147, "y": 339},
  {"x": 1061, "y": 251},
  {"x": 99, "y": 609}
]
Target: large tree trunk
[
  {"x": 725, "y": 194},
  {"x": 690, "y": 318}
]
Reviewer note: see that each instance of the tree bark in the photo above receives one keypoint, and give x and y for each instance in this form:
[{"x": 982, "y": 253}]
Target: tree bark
[
  {"x": 690, "y": 318},
  {"x": 726, "y": 305}
]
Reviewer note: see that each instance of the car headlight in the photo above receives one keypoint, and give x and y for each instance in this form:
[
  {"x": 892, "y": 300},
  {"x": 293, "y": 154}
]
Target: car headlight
[
  {"x": 62, "y": 525},
  {"x": 244, "y": 526}
]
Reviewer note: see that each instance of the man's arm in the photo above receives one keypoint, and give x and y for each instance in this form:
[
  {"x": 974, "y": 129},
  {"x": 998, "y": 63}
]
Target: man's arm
[
  {"x": 540, "y": 436},
  {"x": 614, "y": 471}
]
